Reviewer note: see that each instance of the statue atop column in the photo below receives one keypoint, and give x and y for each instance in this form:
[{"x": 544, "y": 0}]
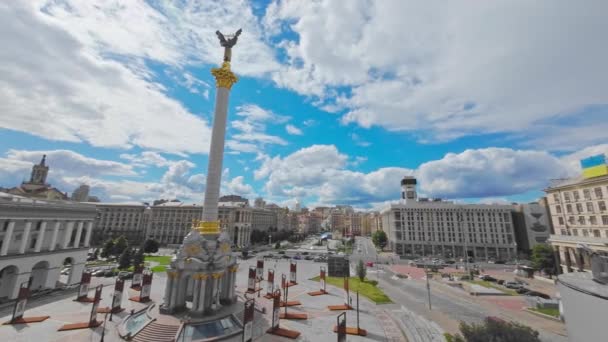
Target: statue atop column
[{"x": 228, "y": 43}]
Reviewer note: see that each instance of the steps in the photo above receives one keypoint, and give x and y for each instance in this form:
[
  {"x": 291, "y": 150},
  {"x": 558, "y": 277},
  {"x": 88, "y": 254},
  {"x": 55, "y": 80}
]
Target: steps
[{"x": 156, "y": 332}]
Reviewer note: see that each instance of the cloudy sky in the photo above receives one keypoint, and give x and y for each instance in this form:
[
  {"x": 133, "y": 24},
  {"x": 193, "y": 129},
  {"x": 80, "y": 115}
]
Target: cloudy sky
[{"x": 336, "y": 102}]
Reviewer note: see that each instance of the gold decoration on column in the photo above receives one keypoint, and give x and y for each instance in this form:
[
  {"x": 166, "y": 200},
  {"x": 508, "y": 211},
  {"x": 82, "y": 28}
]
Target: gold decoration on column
[
  {"x": 234, "y": 268},
  {"x": 200, "y": 276},
  {"x": 224, "y": 77},
  {"x": 172, "y": 274},
  {"x": 217, "y": 275},
  {"x": 206, "y": 228}
]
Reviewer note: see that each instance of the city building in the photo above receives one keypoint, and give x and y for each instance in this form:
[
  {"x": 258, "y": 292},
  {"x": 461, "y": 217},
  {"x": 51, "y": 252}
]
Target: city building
[
  {"x": 37, "y": 187},
  {"x": 81, "y": 194},
  {"x": 532, "y": 225},
  {"x": 352, "y": 222},
  {"x": 263, "y": 219},
  {"x": 236, "y": 220},
  {"x": 38, "y": 239},
  {"x": 579, "y": 215},
  {"x": 440, "y": 228},
  {"x": 259, "y": 203},
  {"x": 171, "y": 221},
  {"x": 121, "y": 219}
]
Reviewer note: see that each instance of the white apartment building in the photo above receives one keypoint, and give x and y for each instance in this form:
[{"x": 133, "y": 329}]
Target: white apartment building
[
  {"x": 116, "y": 219},
  {"x": 579, "y": 213},
  {"x": 38, "y": 238}
]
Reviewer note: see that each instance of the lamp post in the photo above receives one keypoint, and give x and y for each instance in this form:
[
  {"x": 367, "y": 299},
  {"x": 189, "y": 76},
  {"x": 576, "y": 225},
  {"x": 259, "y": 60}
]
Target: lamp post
[{"x": 103, "y": 332}]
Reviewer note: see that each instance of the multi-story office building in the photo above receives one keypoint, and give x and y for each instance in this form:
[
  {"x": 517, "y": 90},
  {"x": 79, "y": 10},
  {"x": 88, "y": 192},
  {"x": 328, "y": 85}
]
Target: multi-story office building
[
  {"x": 352, "y": 221},
  {"x": 579, "y": 214},
  {"x": 38, "y": 238},
  {"x": 121, "y": 219},
  {"x": 418, "y": 227},
  {"x": 170, "y": 222},
  {"x": 263, "y": 219},
  {"x": 236, "y": 220}
]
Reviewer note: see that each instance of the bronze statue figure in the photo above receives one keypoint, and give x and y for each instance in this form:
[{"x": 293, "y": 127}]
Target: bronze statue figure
[{"x": 228, "y": 43}]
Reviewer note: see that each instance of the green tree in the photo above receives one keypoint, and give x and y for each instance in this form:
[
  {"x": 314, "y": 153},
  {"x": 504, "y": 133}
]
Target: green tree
[
  {"x": 277, "y": 245},
  {"x": 125, "y": 259},
  {"x": 361, "y": 270},
  {"x": 496, "y": 330},
  {"x": 138, "y": 257},
  {"x": 108, "y": 249},
  {"x": 151, "y": 246},
  {"x": 120, "y": 245},
  {"x": 543, "y": 259},
  {"x": 96, "y": 254},
  {"x": 379, "y": 238}
]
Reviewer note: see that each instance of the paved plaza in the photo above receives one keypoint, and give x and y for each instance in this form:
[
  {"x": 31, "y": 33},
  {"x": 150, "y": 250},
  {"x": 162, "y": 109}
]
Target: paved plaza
[{"x": 63, "y": 310}]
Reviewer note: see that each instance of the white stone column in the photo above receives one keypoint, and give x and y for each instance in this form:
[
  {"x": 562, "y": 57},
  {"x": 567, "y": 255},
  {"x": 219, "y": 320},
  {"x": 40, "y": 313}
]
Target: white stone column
[
  {"x": 78, "y": 234},
  {"x": 202, "y": 289},
  {"x": 67, "y": 234},
  {"x": 196, "y": 292},
  {"x": 54, "y": 237},
  {"x": 169, "y": 286},
  {"x": 8, "y": 237},
  {"x": 87, "y": 237},
  {"x": 216, "y": 153},
  {"x": 26, "y": 237},
  {"x": 40, "y": 237}
]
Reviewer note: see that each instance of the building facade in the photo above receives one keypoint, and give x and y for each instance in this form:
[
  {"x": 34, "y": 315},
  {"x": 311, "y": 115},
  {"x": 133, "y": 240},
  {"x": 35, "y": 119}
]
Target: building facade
[
  {"x": 448, "y": 230},
  {"x": 170, "y": 222},
  {"x": 579, "y": 214},
  {"x": 532, "y": 226},
  {"x": 38, "y": 239},
  {"x": 37, "y": 187},
  {"x": 116, "y": 219},
  {"x": 263, "y": 219},
  {"x": 236, "y": 221}
]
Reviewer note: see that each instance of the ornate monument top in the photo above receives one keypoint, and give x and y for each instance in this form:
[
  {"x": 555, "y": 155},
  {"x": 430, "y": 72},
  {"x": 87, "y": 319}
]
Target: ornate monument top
[{"x": 227, "y": 44}]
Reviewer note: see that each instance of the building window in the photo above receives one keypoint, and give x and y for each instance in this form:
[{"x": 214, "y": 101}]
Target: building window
[
  {"x": 576, "y": 195},
  {"x": 605, "y": 219},
  {"x": 587, "y": 194},
  {"x": 593, "y": 220},
  {"x": 585, "y": 232},
  {"x": 560, "y": 220},
  {"x": 563, "y": 231},
  {"x": 596, "y": 233},
  {"x": 569, "y": 208},
  {"x": 579, "y": 207},
  {"x": 590, "y": 207},
  {"x": 567, "y": 196},
  {"x": 558, "y": 209},
  {"x": 598, "y": 192},
  {"x": 556, "y": 198},
  {"x": 601, "y": 205},
  {"x": 575, "y": 232}
]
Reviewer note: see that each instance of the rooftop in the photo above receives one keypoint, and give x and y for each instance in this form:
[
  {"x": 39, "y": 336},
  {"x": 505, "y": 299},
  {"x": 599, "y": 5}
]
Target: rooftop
[{"x": 583, "y": 282}]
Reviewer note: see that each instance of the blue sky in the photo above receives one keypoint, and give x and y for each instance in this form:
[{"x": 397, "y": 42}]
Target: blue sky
[{"x": 335, "y": 103}]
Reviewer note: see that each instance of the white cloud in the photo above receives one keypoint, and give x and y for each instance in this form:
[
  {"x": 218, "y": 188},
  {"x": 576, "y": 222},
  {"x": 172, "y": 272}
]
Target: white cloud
[
  {"x": 489, "y": 172},
  {"x": 59, "y": 87},
  {"x": 293, "y": 130},
  {"x": 359, "y": 141},
  {"x": 251, "y": 133},
  {"x": 237, "y": 186},
  {"x": 146, "y": 158},
  {"x": 427, "y": 67}
]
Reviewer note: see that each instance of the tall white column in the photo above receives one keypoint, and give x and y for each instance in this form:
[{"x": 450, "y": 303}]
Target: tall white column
[
  {"x": 26, "y": 237},
  {"x": 202, "y": 298},
  {"x": 78, "y": 234},
  {"x": 40, "y": 237},
  {"x": 67, "y": 234},
  {"x": 54, "y": 237},
  {"x": 8, "y": 237},
  {"x": 87, "y": 237},
  {"x": 196, "y": 291}
]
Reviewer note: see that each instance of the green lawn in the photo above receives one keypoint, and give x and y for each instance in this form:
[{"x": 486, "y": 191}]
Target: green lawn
[
  {"x": 161, "y": 259},
  {"x": 492, "y": 285},
  {"x": 366, "y": 289},
  {"x": 159, "y": 268},
  {"x": 547, "y": 311}
]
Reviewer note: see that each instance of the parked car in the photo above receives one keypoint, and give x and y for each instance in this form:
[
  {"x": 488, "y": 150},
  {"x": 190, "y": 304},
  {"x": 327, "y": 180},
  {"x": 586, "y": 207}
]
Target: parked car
[
  {"x": 304, "y": 253},
  {"x": 286, "y": 256},
  {"x": 500, "y": 282},
  {"x": 487, "y": 277},
  {"x": 522, "y": 290},
  {"x": 308, "y": 257},
  {"x": 281, "y": 252},
  {"x": 297, "y": 257},
  {"x": 513, "y": 285},
  {"x": 500, "y": 262},
  {"x": 369, "y": 264},
  {"x": 449, "y": 261},
  {"x": 125, "y": 275},
  {"x": 109, "y": 273},
  {"x": 99, "y": 273}
]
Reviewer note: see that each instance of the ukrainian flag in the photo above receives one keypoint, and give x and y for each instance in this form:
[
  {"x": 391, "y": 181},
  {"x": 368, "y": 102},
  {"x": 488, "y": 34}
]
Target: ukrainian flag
[{"x": 594, "y": 166}]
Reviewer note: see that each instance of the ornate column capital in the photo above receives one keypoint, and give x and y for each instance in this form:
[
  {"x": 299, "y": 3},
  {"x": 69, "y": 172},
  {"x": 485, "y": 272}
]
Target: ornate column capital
[
  {"x": 217, "y": 275},
  {"x": 224, "y": 77}
]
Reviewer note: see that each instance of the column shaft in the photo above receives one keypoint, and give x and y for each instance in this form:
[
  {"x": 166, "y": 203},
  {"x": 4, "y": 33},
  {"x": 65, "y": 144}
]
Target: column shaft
[
  {"x": 8, "y": 237},
  {"x": 40, "y": 237},
  {"x": 54, "y": 237},
  {"x": 67, "y": 234},
  {"x": 196, "y": 293},
  {"x": 202, "y": 296},
  {"x": 87, "y": 237},
  {"x": 26, "y": 237},
  {"x": 78, "y": 234},
  {"x": 216, "y": 155}
]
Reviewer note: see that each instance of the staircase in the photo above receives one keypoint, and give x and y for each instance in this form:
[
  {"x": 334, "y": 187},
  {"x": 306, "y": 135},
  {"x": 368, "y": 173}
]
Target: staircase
[{"x": 156, "y": 332}]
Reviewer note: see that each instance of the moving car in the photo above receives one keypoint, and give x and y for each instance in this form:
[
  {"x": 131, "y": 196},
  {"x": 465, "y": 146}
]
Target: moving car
[
  {"x": 369, "y": 264},
  {"x": 513, "y": 285},
  {"x": 487, "y": 277},
  {"x": 537, "y": 294}
]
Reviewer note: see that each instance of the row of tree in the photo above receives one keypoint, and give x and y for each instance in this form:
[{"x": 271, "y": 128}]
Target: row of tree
[{"x": 127, "y": 255}]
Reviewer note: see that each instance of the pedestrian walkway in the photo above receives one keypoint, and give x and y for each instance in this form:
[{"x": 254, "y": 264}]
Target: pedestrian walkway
[{"x": 416, "y": 327}]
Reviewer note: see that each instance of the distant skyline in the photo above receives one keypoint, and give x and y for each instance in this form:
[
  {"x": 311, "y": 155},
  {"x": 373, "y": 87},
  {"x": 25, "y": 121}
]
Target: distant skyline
[{"x": 336, "y": 102}]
